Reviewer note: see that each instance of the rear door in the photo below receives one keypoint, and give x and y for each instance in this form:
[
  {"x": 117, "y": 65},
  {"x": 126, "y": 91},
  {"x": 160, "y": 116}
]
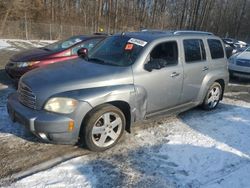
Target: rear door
[{"x": 196, "y": 67}]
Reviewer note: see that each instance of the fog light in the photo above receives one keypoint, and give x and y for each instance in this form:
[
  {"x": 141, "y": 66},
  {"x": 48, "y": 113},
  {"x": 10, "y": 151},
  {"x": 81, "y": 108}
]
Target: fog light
[{"x": 71, "y": 125}]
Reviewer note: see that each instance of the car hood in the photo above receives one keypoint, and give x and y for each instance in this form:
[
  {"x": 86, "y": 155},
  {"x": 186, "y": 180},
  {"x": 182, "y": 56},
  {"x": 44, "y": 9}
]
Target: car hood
[
  {"x": 35, "y": 54},
  {"x": 74, "y": 75},
  {"x": 243, "y": 55}
]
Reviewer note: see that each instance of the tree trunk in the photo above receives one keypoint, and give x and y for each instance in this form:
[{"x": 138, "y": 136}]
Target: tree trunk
[
  {"x": 6, "y": 16},
  {"x": 183, "y": 14},
  {"x": 242, "y": 14},
  {"x": 116, "y": 16}
]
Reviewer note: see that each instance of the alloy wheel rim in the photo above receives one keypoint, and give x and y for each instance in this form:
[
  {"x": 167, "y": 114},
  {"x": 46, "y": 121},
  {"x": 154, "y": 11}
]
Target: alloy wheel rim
[
  {"x": 107, "y": 129},
  {"x": 213, "y": 97}
]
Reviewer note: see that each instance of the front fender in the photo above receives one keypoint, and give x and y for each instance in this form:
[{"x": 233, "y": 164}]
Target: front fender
[{"x": 135, "y": 97}]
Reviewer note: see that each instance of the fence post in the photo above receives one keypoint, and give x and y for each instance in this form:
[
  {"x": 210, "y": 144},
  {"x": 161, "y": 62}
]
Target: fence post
[
  {"x": 26, "y": 26},
  {"x": 50, "y": 34},
  {"x": 61, "y": 31}
]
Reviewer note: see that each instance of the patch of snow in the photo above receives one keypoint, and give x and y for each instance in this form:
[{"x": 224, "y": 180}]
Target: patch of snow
[
  {"x": 18, "y": 44},
  {"x": 4, "y": 44},
  {"x": 238, "y": 84},
  {"x": 232, "y": 94},
  {"x": 196, "y": 149},
  {"x": 7, "y": 128}
]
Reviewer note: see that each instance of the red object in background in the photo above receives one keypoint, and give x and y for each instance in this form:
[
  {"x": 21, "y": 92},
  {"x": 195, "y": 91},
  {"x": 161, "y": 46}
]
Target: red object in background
[
  {"x": 129, "y": 46},
  {"x": 60, "y": 51}
]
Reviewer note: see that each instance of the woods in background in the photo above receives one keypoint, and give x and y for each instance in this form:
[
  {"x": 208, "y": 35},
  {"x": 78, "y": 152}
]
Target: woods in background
[{"x": 226, "y": 18}]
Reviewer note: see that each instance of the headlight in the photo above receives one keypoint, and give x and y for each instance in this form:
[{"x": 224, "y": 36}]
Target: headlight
[
  {"x": 61, "y": 105},
  {"x": 26, "y": 64},
  {"x": 231, "y": 60}
]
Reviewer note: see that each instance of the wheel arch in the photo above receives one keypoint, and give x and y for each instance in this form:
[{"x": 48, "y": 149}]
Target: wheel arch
[
  {"x": 215, "y": 76},
  {"x": 222, "y": 84},
  {"x": 122, "y": 105}
]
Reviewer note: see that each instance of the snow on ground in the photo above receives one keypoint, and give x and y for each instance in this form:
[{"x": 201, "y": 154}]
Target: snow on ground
[
  {"x": 236, "y": 84},
  {"x": 18, "y": 44},
  {"x": 7, "y": 128},
  {"x": 4, "y": 44},
  {"x": 196, "y": 149},
  {"x": 231, "y": 94}
]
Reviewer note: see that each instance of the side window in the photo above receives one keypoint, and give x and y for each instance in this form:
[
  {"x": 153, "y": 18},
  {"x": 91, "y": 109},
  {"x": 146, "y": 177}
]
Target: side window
[
  {"x": 216, "y": 48},
  {"x": 194, "y": 50},
  {"x": 165, "y": 53},
  {"x": 89, "y": 44}
]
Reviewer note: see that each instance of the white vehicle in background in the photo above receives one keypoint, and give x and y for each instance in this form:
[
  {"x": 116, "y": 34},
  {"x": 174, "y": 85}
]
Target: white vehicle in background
[
  {"x": 241, "y": 44},
  {"x": 239, "y": 64}
]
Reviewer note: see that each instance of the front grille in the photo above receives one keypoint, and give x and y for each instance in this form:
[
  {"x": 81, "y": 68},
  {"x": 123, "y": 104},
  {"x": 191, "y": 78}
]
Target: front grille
[
  {"x": 243, "y": 62},
  {"x": 26, "y": 96}
]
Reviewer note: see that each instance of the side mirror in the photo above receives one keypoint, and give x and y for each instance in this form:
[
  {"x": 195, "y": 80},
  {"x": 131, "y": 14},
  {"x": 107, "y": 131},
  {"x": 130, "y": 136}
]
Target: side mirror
[
  {"x": 148, "y": 66},
  {"x": 153, "y": 64},
  {"x": 82, "y": 52}
]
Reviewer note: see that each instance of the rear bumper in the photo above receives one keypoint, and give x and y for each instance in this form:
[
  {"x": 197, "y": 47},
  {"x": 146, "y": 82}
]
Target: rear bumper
[{"x": 50, "y": 127}]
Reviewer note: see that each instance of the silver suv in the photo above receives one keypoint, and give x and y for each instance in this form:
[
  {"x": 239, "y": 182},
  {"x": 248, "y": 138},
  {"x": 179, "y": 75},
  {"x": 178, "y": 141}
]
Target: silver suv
[{"x": 126, "y": 78}]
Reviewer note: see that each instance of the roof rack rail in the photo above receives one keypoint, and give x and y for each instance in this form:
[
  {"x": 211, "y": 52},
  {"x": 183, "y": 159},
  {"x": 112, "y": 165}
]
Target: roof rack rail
[
  {"x": 188, "y": 32},
  {"x": 151, "y": 30}
]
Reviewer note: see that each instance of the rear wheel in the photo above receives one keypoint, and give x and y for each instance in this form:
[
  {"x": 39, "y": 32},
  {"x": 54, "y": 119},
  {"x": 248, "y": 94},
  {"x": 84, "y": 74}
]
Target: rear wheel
[
  {"x": 103, "y": 127},
  {"x": 213, "y": 97}
]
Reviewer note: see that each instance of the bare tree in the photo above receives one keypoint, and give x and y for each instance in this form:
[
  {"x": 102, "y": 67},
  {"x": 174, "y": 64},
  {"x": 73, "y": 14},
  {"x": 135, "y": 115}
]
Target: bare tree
[{"x": 223, "y": 17}]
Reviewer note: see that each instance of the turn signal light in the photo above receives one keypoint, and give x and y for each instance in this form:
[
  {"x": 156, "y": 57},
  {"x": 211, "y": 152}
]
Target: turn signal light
[{"x": 71, "y": 126}]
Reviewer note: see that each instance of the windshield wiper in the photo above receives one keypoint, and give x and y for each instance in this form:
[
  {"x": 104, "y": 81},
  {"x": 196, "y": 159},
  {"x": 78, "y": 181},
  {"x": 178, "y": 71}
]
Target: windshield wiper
[
  {"x": 101, "y": 61},
  {"x": 95, "y": 59}
]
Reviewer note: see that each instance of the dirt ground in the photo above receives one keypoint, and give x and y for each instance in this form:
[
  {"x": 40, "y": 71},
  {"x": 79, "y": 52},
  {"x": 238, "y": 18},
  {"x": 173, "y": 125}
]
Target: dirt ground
[{"x": 20, "y": 150}]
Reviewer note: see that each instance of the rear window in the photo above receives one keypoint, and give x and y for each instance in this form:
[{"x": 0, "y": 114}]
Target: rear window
[
  {"x": 216, "y": 48},
  {"x": 194, "y": 50}
]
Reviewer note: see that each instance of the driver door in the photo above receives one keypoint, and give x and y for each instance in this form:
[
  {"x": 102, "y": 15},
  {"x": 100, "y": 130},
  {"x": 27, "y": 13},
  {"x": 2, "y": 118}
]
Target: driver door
[{"x": 164, "y": 85}]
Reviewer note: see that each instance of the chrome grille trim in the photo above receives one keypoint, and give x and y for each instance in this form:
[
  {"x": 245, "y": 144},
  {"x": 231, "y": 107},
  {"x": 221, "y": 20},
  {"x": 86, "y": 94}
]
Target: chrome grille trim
[
  {"x": 243, "y": 62},
  {"x": 26, "y": 96}
]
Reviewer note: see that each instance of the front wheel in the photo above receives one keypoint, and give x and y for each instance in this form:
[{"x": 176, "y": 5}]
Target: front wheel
[
  {"x": 213, "y": 97},
  {"x": 103, "y": 127}
]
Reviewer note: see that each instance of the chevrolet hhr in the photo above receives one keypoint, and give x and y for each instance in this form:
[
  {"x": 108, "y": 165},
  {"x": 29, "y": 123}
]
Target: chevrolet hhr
[{"x": 126, "y": 78}]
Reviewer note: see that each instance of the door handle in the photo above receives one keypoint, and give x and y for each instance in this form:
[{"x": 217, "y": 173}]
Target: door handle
[
  {"x": 174, "y": 74},
  {"x": 205, "y": 69}
]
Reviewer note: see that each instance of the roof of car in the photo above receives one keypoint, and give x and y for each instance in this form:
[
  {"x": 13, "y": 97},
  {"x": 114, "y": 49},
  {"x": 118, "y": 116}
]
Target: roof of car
[
  {"x": 150, "y": 35},
  {"x": 84, "y": 37}
]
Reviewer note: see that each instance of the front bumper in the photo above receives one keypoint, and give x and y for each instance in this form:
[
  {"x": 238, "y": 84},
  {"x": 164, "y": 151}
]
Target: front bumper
[
  {"x": 49, "y": 127},
  {"x": 239, "y": 71}
]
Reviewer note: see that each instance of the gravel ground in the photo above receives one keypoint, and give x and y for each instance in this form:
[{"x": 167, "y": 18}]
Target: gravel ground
[{"x": 20, "y": 150}]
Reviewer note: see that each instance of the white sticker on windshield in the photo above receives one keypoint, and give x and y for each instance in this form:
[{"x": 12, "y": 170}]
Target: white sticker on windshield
[
  {"x": 77, "y": 40},
  {"x": 137, "y": 42}
]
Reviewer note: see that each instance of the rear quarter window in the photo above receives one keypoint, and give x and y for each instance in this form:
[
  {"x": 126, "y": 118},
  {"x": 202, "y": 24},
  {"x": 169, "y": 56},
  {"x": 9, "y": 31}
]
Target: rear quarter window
[{"x": 216, "y": 48}]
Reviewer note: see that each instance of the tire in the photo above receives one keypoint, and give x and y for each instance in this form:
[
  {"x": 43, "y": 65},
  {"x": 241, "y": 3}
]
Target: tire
[
  {"x": 231, "y": 75},
  {"x": 213, "y": 97},
  {"x": 99, "y": 135}
]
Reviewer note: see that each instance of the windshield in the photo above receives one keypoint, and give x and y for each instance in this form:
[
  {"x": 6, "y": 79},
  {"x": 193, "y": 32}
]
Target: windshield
[
  {"x": 63, "y": 44},
  {"x": 117, "y": 51},
  {"x": 248, "y": 49}
]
